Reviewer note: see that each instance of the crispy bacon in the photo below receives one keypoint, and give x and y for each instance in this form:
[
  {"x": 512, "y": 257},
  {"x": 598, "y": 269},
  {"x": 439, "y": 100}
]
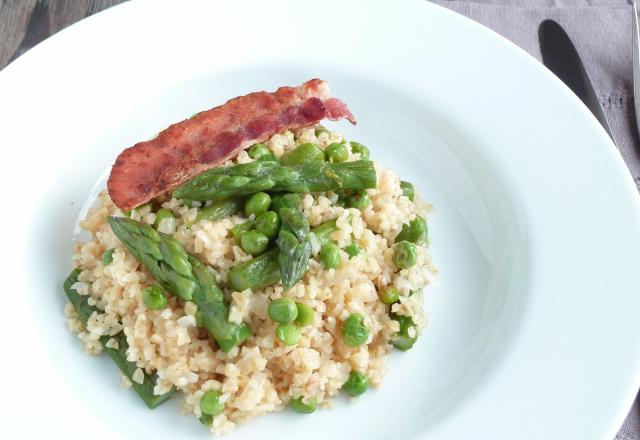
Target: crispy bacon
[{"x": 195, "y": 145}]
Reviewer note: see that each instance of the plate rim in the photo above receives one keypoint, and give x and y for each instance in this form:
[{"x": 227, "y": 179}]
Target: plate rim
[{"x": 8, "y": 72}]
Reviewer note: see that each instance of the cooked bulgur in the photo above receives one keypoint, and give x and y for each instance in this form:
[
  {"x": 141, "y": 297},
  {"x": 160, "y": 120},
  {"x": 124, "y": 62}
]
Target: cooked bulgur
[{"x": 263, "y": 374}]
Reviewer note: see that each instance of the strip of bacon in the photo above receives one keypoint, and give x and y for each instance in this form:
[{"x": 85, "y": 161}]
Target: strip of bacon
[{"x": 195, "y": 145}]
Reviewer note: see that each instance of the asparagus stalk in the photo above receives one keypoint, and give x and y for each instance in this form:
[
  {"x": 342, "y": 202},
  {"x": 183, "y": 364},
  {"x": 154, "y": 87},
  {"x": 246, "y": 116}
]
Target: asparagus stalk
[
  {"x": 264, "y": 270},
  {"x": 118, "y": 355},
  {"x": 183, "y": 275},
  {"x": 286, "y": 200},
  {"x": 215, "y": 310},
  {"x": 257, "y": 273},
  {"x": 240, "y": 229},
  {"x": 295, "y": 246},
  {"x": 160, "y": 253},
  {"x": 219, "y": 209},
  {"x": 415, "y": 231},
  {"x": 323, "y": 232},
  {"x": 315, "y": 176}
]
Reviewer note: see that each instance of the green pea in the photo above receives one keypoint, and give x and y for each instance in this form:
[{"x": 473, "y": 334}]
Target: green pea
[
  {"x": 359, "y": 200},
  {"x": 336, "y": 153},
  {"x": 206, "y": 419},
  {"x": 289, "y": 334},
  {"x": 276, "y": 203},
  {"x": 257, "y": 204},
  {"x": 107, "y": 257},
  {"x": 415, "y": 232},
  {"x": 405, "y": 255},
  {"x": 306, "y": 408},
  {"x": 354, "y": 332},
  {"x": 402, "y": 340},
  {"x": 268, "y": 223},
  {"x": 238, "y": 230},
  {"x": 356, "y": 384},
  {"x": 357, "y": 147},
  {"x": 320, "y": 129},
  {"x": 305, "y": 315},
  {"x": 303, "y": 153},
  {"x": 353, "y": 250},
  {"x": 389, "y": 295},
  {"x": 258, "y": 150},
  {"x": 282, "y": 310},
  {"x": 253, "y": 242},
  {"x": 407, "y": 190},
  {"x": 161, "y": 215},
  {"x": 210, "y": 403},
  {"x": 154, "y": 297},
  {"x": 289, "y": 200},
  {"x": 330, "y": 255}
]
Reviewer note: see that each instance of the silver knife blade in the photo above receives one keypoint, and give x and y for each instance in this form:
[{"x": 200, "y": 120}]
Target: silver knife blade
[{"x": 561, "y": 57}]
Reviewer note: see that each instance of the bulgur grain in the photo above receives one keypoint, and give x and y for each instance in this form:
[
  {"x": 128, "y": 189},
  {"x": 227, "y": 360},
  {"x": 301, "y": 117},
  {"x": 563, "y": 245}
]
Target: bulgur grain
[{"x": 263, "y": 375}]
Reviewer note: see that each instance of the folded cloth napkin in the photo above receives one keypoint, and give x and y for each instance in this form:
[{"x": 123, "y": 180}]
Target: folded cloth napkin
[{"x": 601, "y": 31}]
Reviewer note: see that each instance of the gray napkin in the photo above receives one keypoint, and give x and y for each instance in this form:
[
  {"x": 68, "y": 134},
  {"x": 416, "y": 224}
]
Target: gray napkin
[{"x": 601, "y": 31}]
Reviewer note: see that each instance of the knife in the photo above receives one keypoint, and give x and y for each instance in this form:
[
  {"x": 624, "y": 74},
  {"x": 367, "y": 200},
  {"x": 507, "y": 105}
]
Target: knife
[{"x": 561, "y": 57}]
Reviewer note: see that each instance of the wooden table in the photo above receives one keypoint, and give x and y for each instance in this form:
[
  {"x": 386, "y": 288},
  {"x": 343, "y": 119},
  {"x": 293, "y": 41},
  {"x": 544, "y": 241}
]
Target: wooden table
[{"x": 25, "y": 23}]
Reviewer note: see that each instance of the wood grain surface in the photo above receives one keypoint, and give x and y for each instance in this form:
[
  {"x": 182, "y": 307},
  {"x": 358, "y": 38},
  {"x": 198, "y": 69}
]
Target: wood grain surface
[{"x": 25, "y": 23}]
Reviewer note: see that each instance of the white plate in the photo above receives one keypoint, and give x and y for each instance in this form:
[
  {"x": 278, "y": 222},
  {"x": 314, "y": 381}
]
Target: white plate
[{"x": 534, "y": 331}]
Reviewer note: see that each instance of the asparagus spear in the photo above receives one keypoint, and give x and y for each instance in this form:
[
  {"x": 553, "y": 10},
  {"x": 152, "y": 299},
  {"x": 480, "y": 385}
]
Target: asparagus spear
[
  {"x": 223, "y": 182},
  {"x": 415, "y": 231},
  {"x": 264, "y": 270},
  {"x": 183, "y": 275},
  {"x": 160, "y": 253},
  {"x": 295, "y": 246},
  {"x": 257, "y": 273},
  {"x": 215, "y": 310},
  {"x": 323, "y": 231},
  {"x": 240, "y": 229},
  {"x": 118, "y": 355},
  {"x": 219, "y": 209},
  {"x": 286, "y": 200}
]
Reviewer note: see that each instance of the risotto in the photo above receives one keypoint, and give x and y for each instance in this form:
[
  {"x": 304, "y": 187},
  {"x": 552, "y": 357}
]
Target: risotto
[{"x": 299, "y": 352}]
